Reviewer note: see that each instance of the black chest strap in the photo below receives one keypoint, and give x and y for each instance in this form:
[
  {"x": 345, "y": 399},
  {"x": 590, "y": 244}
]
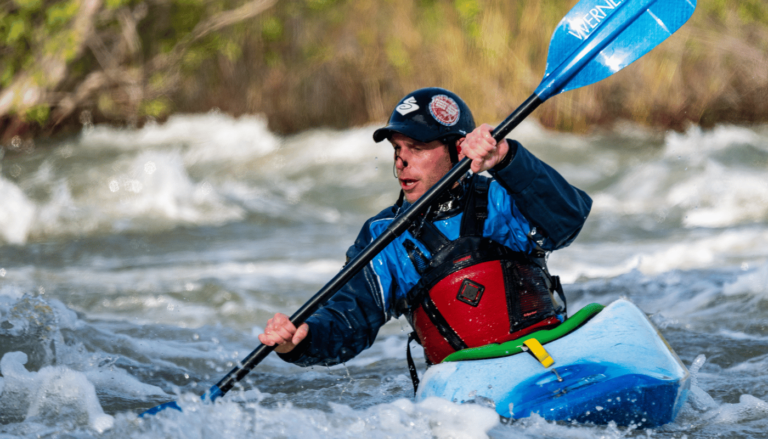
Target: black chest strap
[
  {"x": 472, "y": 222},
  {"x": 429, "y": 235},
  {"x": 475, "y": 209}
]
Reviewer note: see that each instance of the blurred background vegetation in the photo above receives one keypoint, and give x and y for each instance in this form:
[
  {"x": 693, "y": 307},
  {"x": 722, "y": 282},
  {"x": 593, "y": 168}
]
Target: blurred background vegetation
[{"x": 341, "y": 63}]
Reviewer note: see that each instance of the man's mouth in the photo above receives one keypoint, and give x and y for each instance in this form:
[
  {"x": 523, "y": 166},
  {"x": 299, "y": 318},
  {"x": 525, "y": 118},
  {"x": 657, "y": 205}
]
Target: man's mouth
[{"x": 407, "y": 183}]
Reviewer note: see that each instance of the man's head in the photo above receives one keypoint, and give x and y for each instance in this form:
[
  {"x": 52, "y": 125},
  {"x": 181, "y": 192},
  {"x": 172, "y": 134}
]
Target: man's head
[
  {"x": 419, "y": 165},
  {"x": 424, "y": 129}
]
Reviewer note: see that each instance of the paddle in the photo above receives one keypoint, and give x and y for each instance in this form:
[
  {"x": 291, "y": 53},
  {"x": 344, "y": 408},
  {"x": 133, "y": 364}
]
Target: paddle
[{"x": 596, "y": 39}]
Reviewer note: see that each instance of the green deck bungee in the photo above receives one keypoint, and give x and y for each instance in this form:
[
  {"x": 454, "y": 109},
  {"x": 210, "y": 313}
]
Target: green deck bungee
[{"x": 512, "y": 347}]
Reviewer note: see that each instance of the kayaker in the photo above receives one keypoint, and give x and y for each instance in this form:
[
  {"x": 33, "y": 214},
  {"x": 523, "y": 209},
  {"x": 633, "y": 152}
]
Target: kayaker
[{"x": 472, "y": 270}]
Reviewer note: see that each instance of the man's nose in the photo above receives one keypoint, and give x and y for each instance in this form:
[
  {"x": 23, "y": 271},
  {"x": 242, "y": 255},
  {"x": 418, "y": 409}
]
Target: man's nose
[
  {"x": 401, "y": 158},
  {"x": 400, "y": 162}
]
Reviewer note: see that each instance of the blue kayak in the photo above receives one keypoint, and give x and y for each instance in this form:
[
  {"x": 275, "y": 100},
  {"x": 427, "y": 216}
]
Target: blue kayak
[{"x": 606, "y": 364}]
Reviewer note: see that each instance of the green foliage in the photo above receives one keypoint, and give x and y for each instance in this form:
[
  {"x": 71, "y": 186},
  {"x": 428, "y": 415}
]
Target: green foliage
[
  {"x": 271, "y": 29},
  {"x": 193, "y": 58},
  {"x": 60, "y": 14},
  {"x": 337, "y": 63},
  {"x": 753, "y": 11},
  {"x": 231, "y": 50},
  {"x": 114, "y": 4},
  {"x": 65, "y": 45},
  {"x": 159, "y": 107},
  {"x": 106, "y": 104},
  {"x": 272, "y": 59},
  {"x": 185, "y": 16},
  {"x": 469, "y": 11},
  {"x": 29, "y": 5},
  {"x": 715, "y": 8},
  {"x": 7, "y": 75},
  {"x": 397, "y": 55},
  {"x": 320, "y": 5},
  {"x": 17, "y": 30},
  {"x": 38, "y": 114}
]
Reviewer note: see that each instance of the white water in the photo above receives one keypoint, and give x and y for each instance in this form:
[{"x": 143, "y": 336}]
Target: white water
[{"x": 137, "y": 266}]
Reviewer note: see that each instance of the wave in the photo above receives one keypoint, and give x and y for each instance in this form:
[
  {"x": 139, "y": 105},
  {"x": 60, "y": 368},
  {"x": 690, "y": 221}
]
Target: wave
[{"x": 213, "y": 169}]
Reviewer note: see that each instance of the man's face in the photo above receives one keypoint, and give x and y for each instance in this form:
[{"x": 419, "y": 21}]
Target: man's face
[{"x": 419, "y": 165}]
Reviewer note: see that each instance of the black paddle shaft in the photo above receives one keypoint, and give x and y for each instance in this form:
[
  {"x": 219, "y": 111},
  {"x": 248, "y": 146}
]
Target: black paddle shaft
[{"x": 394, "y": 230}]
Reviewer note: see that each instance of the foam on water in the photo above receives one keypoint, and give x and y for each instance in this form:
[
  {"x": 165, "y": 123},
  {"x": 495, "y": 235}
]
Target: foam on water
[
  {"x": 708, "y": 179},
  {"x": 16, "y": 214},
  {"x": 213, "y": 136},
  {"x": 753, "y": 282},
  {"x": 51, "y": 395},
  {"x": 433, "y": 418},
  {"x": 214, "y": 169},
  {"x": 655, "y": 256},
  {"x": 725, "y": 183}
]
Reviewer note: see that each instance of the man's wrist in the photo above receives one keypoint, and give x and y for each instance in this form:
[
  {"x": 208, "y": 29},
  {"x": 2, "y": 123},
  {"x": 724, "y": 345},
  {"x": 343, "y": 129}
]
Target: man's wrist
[
  {"x": 297, "y": 351},
  {"x": 507, "y": 158}
]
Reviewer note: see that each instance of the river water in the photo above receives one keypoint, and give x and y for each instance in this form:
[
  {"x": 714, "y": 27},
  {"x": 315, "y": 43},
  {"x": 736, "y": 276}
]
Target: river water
[{"x": 137, "y": 265}]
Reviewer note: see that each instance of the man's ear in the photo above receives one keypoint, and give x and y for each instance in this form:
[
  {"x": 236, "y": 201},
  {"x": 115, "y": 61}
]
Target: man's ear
[{"x": 458, "y": 146}]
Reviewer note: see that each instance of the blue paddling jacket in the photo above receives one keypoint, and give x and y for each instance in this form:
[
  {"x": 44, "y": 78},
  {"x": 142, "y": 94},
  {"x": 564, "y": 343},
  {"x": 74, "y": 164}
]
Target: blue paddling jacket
[{"x": 530, "y": 205}]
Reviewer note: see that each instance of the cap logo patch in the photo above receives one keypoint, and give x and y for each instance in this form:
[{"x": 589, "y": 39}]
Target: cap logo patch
[
  {"x": 445, "y": 110},
  {"x": 408, "y": 106}
]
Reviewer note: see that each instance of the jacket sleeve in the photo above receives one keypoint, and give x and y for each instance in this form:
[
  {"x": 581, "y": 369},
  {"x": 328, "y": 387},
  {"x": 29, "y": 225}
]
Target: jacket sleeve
[
  {"x": 350, "y": 320},
  {"x": 556, "y": 209}
]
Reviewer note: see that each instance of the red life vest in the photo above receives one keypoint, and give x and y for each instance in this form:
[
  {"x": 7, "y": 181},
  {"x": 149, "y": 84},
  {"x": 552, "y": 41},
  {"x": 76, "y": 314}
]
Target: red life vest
[{"x": 475, "y": 291}]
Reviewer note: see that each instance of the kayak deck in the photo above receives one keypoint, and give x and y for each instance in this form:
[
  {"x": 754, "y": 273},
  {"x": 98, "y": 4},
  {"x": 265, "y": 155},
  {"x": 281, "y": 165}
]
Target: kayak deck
[{"x": 616, "y": 367}]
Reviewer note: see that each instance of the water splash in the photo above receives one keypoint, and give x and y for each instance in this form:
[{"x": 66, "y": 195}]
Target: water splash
[{"x": 52, "y": 395}]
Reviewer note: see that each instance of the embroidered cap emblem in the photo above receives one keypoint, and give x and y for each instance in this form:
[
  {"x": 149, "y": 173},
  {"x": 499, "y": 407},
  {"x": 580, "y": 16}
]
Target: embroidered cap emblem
[
  {"x": 445, "y": 110},
  {"x": 470, "y": 292}
]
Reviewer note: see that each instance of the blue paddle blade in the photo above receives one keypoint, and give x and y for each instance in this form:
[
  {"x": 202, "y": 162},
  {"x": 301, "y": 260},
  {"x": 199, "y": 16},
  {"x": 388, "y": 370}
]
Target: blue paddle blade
[
  {"x": 600, "y": 37},
  {"x": 160, "y": 408},
  {"x": 211, "y": 395}
]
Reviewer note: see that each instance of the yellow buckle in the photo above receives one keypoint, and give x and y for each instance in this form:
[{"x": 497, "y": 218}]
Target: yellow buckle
[{"x": 539, "y": 352}]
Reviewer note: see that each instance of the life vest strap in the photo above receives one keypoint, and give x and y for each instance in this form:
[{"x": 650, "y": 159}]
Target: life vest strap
[
  {"x": 558, "y": 287},
  {"x": 420, "y": 262},
  {"x": 442, "y": 325},
  {"x": 475, "y": 209},
  {"x": 411, "y": 365}
]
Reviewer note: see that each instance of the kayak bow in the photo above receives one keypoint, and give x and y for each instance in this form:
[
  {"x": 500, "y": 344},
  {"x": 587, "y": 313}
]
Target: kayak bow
[{"x": 616, "y": 367}]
